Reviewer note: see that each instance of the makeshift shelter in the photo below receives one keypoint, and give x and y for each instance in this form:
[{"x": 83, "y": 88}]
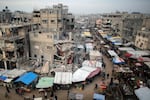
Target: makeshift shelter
[
  {"x": 98, "y": 96},
  {"x": 14, "y": 73},
  {"x": 126, "y": 49},
  {"x": 88, "y": 47},
  {"x": 87, "y": 34},
  {"x": 80, "y": 75},
  {"x": 95, "y": 55},
  {"x": 90, "y": 63},
  {"x": 45, "y": 82},
  {"x": 112, "y": 53},
  {"x": 63, "y": 78},
  {"x": 118, "y": 60},
  {"x": 84, "y": 72},
  {"x": 143, "y": 93},
  {"x": 27, "y": 78},
  {"x": 137, "y": 54}
]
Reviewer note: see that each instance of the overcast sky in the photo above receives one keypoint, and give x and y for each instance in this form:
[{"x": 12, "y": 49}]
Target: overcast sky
[{"x": 80, "y": 6}]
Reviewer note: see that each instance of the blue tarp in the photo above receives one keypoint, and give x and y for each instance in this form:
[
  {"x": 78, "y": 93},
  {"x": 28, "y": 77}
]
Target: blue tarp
[
  {"x": 98, "y": 96},
  {"x": 27, "y": 78},
  {"x": 3, "y": 78}
]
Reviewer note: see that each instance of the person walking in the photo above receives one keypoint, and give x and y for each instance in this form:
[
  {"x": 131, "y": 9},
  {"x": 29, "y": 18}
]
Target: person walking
[
  {"x": 45, "y": 95},
  {"x": 96, "y": 86},
  {"x": 108, "y": 76},
  {"x": 7, "y": 89},
  {"x": 55, "y": 98}
]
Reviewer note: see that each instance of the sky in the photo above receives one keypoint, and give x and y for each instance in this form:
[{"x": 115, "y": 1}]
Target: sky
[{"x": 80, "y": 6}]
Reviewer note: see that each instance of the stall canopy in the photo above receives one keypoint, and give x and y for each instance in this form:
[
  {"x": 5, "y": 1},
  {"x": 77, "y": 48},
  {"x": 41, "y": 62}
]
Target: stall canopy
[
  {"x": 98, "y": 96},
  {"x": 89, "y": 47},
  {"x": 126, "y": 49},
  {"x": 14, "y": 73},
  {"x": 92, "y": 63},
  {"x": 45, "y": 82},
  {"x": 118, "y": 60},
  {"x": 2, "y": 78},
  {"x": 143, "y": 93},
  {"x": 63, "y": 78},
  {"x": 27, "y": 78},
  {"x": 137, "y": 54},
  {"x": 112, "y": 53},
  {"x": 95, "y": 55}
]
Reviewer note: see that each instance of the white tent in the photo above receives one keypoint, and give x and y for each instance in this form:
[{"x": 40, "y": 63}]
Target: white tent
[
  {"x": 83, "y": 73},
  {"x": 63, "y": 78},
  {"x": 80, "y": 75},
  {"x": 143, "y": 93}
]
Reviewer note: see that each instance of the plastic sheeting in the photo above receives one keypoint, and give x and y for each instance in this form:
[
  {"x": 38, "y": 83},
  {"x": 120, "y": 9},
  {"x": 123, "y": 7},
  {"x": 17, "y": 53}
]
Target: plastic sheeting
[{"x": 27, "y": 78}]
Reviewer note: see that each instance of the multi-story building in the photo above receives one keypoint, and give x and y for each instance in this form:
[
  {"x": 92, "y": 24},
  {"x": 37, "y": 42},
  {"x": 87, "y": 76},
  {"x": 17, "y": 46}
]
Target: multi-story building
[
  {"x": 42, "y": 46},
  {"x": 19, "y": 17},
  {"x": 142, "y": 40},
  {"x": 131, "y": 24},
  {"x": 115, "y": 22},
  {"x": 14, "y": 44},
  {"x": 54, "y": 19},
  {"x": 5, "y": 15}
]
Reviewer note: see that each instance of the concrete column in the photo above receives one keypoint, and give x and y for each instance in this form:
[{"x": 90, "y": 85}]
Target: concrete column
[{"x": 4, "y": 56}]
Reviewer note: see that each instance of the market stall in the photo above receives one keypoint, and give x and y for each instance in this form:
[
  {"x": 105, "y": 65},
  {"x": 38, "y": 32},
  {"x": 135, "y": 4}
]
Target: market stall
[
  {"x": 63, "y": 80},
  {"x": 45, "y": 82}
]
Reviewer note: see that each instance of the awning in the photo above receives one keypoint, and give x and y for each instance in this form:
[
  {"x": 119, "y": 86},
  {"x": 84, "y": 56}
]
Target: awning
[
  {"x": 27, "y": 78},
  {"x": 98, "y": 96},
  {"x": 45, "y": 82}
]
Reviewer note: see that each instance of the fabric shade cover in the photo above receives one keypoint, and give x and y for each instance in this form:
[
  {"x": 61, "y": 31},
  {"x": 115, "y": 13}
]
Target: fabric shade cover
[{"x": 45, "y": 82}]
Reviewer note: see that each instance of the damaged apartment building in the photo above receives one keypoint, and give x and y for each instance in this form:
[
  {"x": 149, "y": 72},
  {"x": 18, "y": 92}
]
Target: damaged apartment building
[
  {"x": 14, "y": 44},
  {"x": 55, "y": 19},
  {"x": 48, "y": 43}
]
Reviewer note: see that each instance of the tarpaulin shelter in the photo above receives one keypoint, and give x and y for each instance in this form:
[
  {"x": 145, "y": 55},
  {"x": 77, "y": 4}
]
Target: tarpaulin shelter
[
  {"x": 2, "y": 78},
  {"x": 27, "y": 78}
]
